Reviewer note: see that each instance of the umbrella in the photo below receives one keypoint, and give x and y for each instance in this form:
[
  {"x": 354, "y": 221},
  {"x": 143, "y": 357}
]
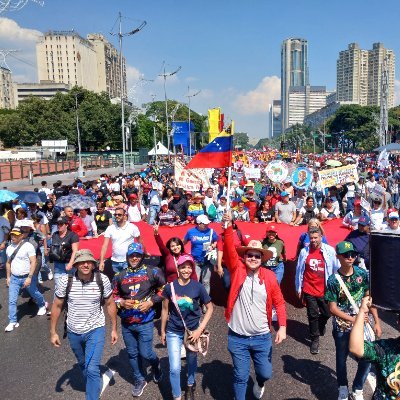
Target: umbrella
[
  {"x": 389, "y": 147},
  {"x": 76, "y": 201},
  {"x": 6, "y": 195},
  {"x": 333, "y": 163},
  {"x": 30, "y": 197}
]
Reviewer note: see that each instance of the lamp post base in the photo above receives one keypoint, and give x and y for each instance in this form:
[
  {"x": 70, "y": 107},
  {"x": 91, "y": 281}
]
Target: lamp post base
[{"x": 81, "y": 172}]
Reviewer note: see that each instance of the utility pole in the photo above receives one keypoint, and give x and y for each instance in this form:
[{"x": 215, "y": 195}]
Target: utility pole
[
  {"x": 81, "y": 171},
  {"x": 190, "y": 131},
  {"x": 383, "y": 119},
  {"x": 165, "y": 75},
  {"x": 121, "y": 35},
  {"x": 16, "y": 5}
]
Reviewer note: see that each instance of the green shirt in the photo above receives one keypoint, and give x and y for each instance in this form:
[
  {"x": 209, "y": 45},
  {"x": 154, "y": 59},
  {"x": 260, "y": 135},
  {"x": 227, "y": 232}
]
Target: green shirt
[
  {"x": 357, "y": 284},
  {"x": 385, "y": 354},
  {"x": 277, "y": 248}
]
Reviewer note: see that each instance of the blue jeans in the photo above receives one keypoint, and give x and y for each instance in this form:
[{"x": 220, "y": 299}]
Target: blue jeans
[
  {"x": 242, "y": 349},
  {"x": 342, "y": 351},
  {"x": 119, "y": 266},
  {"x": 138, "y": 340},
  {"x": 16, "y": 284},
  {"x": 153, "y": 211},
  {"x": 88, "y": 349},
  {"x": 278, "y": 271},
  {"x": 203, "y": 272},
  {"x": 44, "y": 265},
  {"x": 59, "y": 271},
  {"x": 174, "y": 343}
]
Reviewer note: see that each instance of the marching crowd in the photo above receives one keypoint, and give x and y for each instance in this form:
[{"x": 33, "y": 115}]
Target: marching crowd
[{"x": 41, "y": 242}]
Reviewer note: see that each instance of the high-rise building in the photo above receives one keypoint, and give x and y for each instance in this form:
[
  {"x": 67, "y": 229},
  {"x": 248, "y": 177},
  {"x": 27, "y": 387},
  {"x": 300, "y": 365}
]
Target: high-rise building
[
  {"x": 304, "y": 100},
  {"x": 294, "y": 72},
  {"x": 359, "y": 74},
  {"x": 275, "y": 127},
  {"x": 93, "y": 63},
  {"x": 7, "y": 89}
]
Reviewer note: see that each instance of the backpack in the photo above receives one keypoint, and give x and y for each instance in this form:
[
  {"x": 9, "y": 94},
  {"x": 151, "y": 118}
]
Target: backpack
[
  {"x": 212, "y": 211},
  {"x": 99, "y": 281}
]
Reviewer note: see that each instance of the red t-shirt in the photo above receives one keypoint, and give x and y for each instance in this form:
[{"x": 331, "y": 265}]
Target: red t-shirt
[{"x": 314, "y": 274}]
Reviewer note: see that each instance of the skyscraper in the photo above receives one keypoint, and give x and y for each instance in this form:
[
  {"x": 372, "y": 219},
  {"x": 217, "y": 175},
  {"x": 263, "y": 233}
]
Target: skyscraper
[
  {"x": 294, "y": 71},
  {"x": 359, "y": 74}
]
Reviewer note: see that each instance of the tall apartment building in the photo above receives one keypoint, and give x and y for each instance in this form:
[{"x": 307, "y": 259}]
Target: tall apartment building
[
  {"x": 294, "y": 72},
  {"x": 93, "y": 63},
  {"x": 304, "y": 100},
  {"x": 359, "y": 73},
  {"x": 275, "y": 126},
  {"x": 7, "y": 89}
]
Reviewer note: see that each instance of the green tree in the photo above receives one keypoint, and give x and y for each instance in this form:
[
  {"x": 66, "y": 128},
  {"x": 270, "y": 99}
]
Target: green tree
[{"x": 241, "y": 140}]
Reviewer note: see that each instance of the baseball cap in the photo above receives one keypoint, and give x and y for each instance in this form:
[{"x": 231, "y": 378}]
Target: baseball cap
[
  {"x": 164, "y": 203},
  {"x": 185, "y": 258},
  {"x": 364, "y": 220},
  {"x": 132, "y": 196},
  {"x": 272, "y": 228},
  {"x": 357, "y": 202},
  {"x": 329, "y": 199},
  {"x": 284, "y": 194},
  {"x": 344, "y": 247},
  {"x": 24, "y": 223},
  {"x": 202, "y": 219},
  {"x": 135, "y": 248},
  {"x": 251, "y": 191},
  {"x": 62, "y": 220},
  {"x": 393, "y": 215},
  {"x": 16, "y": 231}
]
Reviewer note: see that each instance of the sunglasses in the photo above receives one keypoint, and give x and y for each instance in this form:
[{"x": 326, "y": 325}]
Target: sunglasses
[
  {"x": 119, "y": 215},
  {"x": 257, "y": 256},
  {"x": 349, "y": 254}
]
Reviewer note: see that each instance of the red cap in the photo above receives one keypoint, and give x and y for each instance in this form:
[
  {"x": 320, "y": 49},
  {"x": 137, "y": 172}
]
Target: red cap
[
  {"x": 132, "y": 196},
  {"x": 251, "y": 191},
  {"x": 272, "y": 228},
  {"x": 357, "y": 202}
]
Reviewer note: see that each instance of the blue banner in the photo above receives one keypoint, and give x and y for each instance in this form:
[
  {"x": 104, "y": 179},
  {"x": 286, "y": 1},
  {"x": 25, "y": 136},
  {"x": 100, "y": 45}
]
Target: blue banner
[{"x": 181, "y": 132}]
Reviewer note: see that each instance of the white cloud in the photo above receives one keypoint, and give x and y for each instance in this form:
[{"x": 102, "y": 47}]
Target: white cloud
[
  {"x": 132, "y": 75},
  {"x": 256, "y": 101},
  {"x": 15, "y": 37},
  {"x": 397, "y": 92}
]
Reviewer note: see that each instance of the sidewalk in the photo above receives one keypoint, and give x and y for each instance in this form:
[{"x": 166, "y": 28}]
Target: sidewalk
[{"x": 25, "y": 184}]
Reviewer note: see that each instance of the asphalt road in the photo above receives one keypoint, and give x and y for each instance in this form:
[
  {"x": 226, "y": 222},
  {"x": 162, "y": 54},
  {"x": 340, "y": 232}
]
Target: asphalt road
[{"x": 30, "y": 368}]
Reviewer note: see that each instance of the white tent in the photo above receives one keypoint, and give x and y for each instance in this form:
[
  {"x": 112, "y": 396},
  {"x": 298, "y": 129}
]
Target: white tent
[{"x": 160, "y": 151}]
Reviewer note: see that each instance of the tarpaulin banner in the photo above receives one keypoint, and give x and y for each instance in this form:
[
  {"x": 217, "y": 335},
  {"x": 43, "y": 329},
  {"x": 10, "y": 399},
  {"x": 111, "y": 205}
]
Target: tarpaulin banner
[
  {"x": 252, "y": 173},
  {"x": 190, "y": 179},
  {"x": 214, "y": 118},
  {"x": 338, "y": 176},
  {"x": 180, "y": 131}
]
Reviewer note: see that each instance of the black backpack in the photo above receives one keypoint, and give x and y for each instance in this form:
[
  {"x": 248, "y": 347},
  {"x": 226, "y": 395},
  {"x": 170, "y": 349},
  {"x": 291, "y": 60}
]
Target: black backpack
[{"x": 99, "y": 281}]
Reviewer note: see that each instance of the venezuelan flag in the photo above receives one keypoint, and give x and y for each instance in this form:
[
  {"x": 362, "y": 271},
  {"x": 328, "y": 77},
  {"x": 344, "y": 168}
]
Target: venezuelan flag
[{"x": 217, "y": 154}]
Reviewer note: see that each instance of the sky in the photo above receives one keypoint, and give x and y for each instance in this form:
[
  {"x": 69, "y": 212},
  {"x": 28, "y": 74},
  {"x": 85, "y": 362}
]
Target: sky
[{"x": 229, "y": 50}]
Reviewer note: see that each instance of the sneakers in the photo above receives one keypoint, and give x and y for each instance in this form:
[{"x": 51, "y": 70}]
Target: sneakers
[
  {"x": 314, "y": 348},
  {"x": 343, "y": 393},
  {"x": 358, "y": 395},
  {"x": 157, "y": 375},
  {"x": 10, "y": 327},
  {"x": 190, "y": 392},
  {"x": 43, "y": 310},
  {"x": 40, "y": 280},
  {"x": 138, "y": 388},
  {"x": 50, "y": 276},
  {"x": 258, "y": 391}
]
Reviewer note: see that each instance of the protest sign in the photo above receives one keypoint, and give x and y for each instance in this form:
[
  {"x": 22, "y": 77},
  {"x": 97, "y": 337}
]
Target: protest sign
[
  {"x": 301, "y": 178},
  {"x": 338, "y": 176},
  {"x": 190, "y": 179},
  {"x": 252, "y": 173},
  {"x": 277, "y": 171},
  {"x": 365, "y": 204}
]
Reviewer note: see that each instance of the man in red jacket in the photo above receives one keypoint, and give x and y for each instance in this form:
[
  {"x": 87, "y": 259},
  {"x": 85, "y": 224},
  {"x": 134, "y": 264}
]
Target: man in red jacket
[
  {"x": 254, "y": 291},
  {"x": 75, "y": 223}
]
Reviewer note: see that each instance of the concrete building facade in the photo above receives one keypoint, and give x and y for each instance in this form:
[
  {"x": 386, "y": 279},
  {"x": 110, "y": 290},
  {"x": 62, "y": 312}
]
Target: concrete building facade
[
  {"x": 275, "y": 123},
  {"x": 45, "y": 89},
  {"x": 7, "y": 89},
  {"x": 294, "y": 72},
  {"x": 358, "y": 74}
]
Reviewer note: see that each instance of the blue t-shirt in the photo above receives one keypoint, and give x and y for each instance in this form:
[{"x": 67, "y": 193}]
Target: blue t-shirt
[
  {"x": 189, "y": 299},
  {"x": 200, "y": 240}
]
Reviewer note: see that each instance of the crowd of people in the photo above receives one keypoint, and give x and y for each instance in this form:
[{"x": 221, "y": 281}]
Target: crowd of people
[{"x": 42, "y": 242}]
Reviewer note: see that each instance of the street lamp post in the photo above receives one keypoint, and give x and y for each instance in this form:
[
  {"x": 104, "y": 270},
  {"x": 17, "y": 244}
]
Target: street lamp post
[
  {"x": 81, "y": 171},
  {"x": 189, "y": 96},
  {"x": 122, "y": 94}
]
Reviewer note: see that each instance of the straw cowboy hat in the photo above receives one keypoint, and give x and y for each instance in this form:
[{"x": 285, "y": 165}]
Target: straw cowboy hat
[{"x": 255, "y": 245}]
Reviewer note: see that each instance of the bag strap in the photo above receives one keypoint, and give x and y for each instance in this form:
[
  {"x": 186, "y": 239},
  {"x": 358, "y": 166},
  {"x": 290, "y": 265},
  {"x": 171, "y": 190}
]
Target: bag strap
[
  {"x": 99, "y": 282},
  {"x": 13, "y": 255},
  {"x": 173, "y": 298},
  {"x": 211, "y": 235}
]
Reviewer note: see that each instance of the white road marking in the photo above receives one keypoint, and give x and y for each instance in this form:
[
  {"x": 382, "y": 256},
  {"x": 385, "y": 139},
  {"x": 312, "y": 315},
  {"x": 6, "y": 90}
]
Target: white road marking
[
  {"x": 371, "y": 378},
  {"x": 107, "y": 376}
]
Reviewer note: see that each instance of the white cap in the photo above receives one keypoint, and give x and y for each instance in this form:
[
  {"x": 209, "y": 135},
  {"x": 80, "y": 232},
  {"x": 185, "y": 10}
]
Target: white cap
[
  {"x": 393, "y": 214},
  {"x": 164, "y": 203},
  {"x": 202, "y": 219},
  {"x": 24, "y": 222}
]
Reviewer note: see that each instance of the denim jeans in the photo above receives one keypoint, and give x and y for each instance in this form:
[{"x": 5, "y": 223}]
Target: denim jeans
[
  {"x": 88, "y": 349},
  {"x": 16, "y": 284},
  {"x": 318, "y": 314},
  {"x": 174, "y": 343},
  {"x": 44, "y": 264},
  {"x": 203, "y": 272},
  {"x": 342, "y": 351},
  {"x": 153, "y": 211},
  {"x": 59, "y": 271},
  {"x": 278, "y": 271},
  {"x": 138, "y": 340},
  {"x": 242, "y": 349},
  {"x": 119, "y": 266},
  {"x": 226, "y": 278}
]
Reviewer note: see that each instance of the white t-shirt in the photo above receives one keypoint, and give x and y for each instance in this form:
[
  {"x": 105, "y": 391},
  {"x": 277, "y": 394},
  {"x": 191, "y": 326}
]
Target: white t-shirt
[
  {"x": 114, "y": 187},
  {"x": 303, "y": 211},
  {"x": 377, "y": 217},
  {"x": 21, "y": 264},
  {"x": 135, "y": 212},
  {"x": 121, "y": 238},
  {"x": 325, "y": 212}
]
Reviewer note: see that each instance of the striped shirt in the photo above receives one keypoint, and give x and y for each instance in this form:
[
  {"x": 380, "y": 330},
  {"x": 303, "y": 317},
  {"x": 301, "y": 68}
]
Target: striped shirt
[{"x": 84, "y": 310}]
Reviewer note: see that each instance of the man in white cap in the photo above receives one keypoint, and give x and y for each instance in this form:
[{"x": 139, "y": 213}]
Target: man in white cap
[
  {"x": 253, "y": 293},
  {"x": 392, "y": 223},
  {"x": 203, "y": 239}
]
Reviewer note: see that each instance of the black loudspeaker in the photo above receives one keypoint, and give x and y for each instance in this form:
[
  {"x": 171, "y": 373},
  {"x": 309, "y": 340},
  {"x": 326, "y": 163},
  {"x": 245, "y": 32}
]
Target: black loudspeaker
[{"x": 385, "y": 270}]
